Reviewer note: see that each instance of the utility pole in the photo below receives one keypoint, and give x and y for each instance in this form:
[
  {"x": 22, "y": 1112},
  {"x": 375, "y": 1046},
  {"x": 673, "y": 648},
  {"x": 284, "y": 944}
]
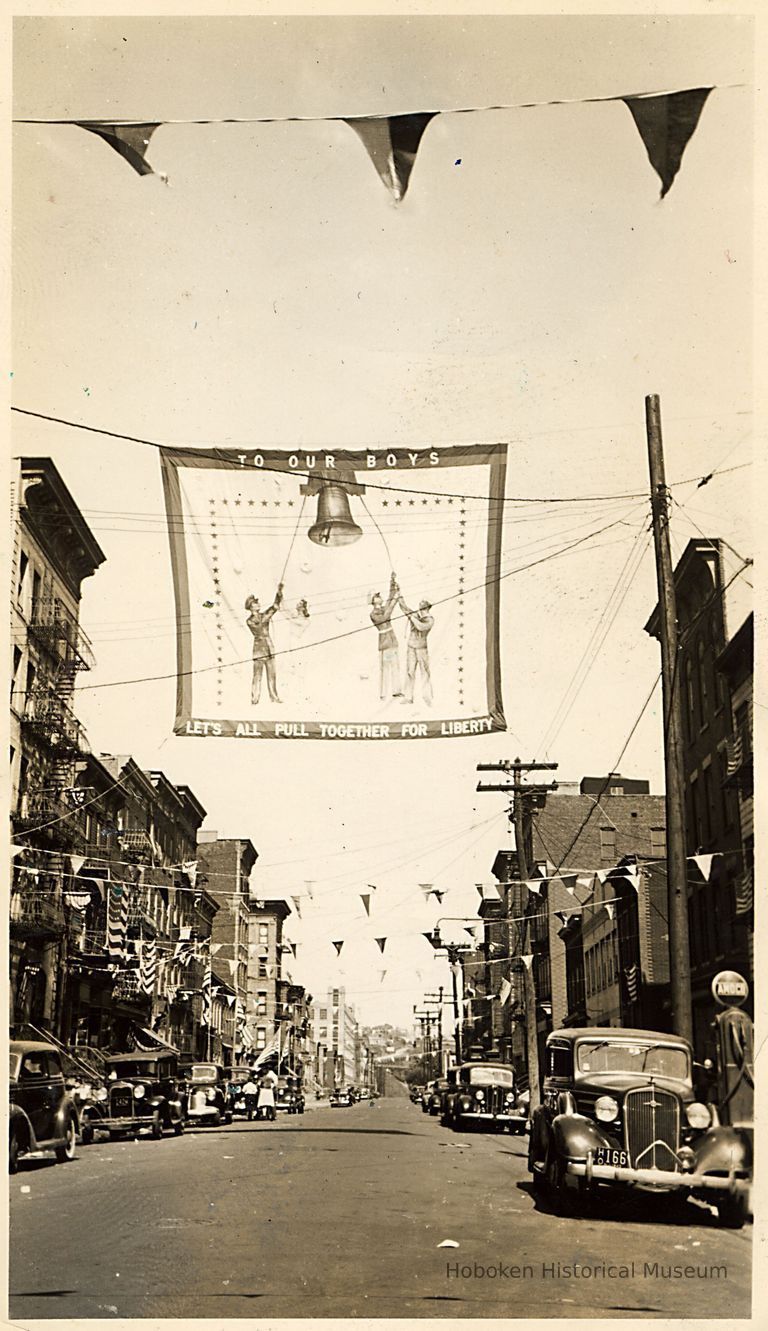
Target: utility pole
[
  {"x": 522, "y": 797},
  {"x": 677, "y": 875}
]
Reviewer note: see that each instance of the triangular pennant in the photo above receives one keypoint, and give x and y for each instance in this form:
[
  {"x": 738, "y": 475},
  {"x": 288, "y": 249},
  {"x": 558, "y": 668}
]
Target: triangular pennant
[
  {"x": 339, "y": 945},
  {"x": 392, "y": 143},
  {"x": 17, "y": 850},
  {"x": 527, "y": 960},
  {"x": 382, "y": 975},
  {"x": 534, "y": 885},
  {"x": 569, "y": 881},
  {"x": 438, "y": 895},
  {"x": 471, "y": 929},
  {"x": 216, "y": 949},
  {"x": 704, "y": 865},
  {"x": 666, "y": 124},
  {"x": 130, "y": 141},
  {"x": 297, "y": 905},
  {"x": 610, "y": 909},
  {"x": 585, "y": 882},
  {"x": 293, "y": 947},
  {"x": 76, "y": 863},
  {"x": 230, "y": 1000},
  {"x": 381, "y": 942},
  {"x": 309, "y": 884},
  {"x": 505, "y": 990},
  {"x": 189, "y": 869},
  {"x": 426, "y": 889},
  {"x": 366, "y": 900},
  {"x": 602, "y": 874}
]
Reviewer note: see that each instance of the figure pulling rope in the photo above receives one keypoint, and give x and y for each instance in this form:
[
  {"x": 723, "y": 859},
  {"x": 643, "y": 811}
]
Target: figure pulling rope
[{"x": 259, "y": 622}]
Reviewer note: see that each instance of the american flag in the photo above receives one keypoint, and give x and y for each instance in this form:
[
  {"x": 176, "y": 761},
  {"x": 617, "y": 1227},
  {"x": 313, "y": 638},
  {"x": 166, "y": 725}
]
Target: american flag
[
  {"x": 745, "y": 894},
  {"x": 148, "y": 966},
  {"x": 117, "y": 919},
  {"x": 631, "y": 977}
]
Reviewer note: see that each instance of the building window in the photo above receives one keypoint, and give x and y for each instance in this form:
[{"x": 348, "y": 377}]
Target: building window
[
  {"x": 323, "y": 1014},
  {"x": 707, "y": 802},
  {"x": 658, "y": 843},
  {"x": 37, "y": 584},
  {"x": 263, "y": 933},
  {"x": 689, "y": 710},
  {"x": 17, "y": 655},
  {"x": 261, "y": 1003},
  {"x": 261, "y": 1037},
  {"x": 23, "y": 563},
  {"x": 608, "y": 844},
  {"x": 703, "y": 691},
  {"x": 262, "y": 970}
]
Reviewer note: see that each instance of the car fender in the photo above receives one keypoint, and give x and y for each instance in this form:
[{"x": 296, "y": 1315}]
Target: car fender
[
  {"x": 723, "y": 1149},
  {"x": 66, "y": 1110},
  {"x": 20, "y": 1124},
  {"x": 574, "y": 1135}
]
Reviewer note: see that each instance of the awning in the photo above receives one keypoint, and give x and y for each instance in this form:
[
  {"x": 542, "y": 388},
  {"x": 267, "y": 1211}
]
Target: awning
[{"x": 148, "y": 1040}]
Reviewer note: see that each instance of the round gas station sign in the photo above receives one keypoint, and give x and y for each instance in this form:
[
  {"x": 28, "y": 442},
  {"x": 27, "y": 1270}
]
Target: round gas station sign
[{"x": 730, "y": 989}]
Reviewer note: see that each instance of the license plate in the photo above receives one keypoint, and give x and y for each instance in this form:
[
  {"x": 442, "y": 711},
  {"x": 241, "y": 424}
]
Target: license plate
[{"x": 607, "y": 1155}]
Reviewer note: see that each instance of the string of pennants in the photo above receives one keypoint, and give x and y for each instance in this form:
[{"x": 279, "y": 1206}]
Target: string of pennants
[{"x": 665, "y": 122}]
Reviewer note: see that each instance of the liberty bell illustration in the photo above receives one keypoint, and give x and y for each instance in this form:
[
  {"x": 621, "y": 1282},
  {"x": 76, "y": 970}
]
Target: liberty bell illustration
[{"x": 334, "y": 524}]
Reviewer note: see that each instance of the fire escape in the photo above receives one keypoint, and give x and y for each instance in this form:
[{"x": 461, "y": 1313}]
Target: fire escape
[{"x": 49, "y": 716}]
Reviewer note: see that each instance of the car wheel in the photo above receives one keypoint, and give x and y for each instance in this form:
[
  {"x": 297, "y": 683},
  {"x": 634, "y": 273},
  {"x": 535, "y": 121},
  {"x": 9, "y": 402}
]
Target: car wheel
[
  {"x": 178, "y": 1127},
  {"x": 156, "y": 1130},
  {"x": 732, "y": 1212},
  {"x": 228, "y": 1117},
  {"x": 14, "y": 1151},
  {"x": 86, "y": 1135},
  {"x": 67, "y": 1150}
]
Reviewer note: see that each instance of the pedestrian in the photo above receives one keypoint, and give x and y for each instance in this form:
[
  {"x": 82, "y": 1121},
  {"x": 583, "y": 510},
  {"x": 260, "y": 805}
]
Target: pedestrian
[
  {"x": 266, "y": 1100},
  {"x": 258, "y": 622}
]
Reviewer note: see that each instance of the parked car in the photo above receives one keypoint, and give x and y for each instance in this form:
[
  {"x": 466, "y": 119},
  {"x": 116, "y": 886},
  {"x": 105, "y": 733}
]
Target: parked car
[
  {"x": 484, "y": 1095},
  {"x": 425, "y": 1096},
  {"x": 43, "y": 1115},
  {"x": 207, "y": 1100},
  {"x": 236, "y": 1080},
  {"x": 143, "y": 1095},
  {"x": 619, "y": 1111},
  {"x": 435, "y": 1100},
  {"x": 288, "y": 1095},
  {"x": 340, "y": 1100},
  {"x": 416, "y": 1094}
]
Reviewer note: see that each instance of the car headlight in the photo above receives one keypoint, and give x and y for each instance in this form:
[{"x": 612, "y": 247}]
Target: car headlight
[
  {"x": 479, "y": 1095},
  {"x": 698, "y": 1115},
  {"x": 101, "y": 1093},
  {"x": 606, "y": 1109},
  {"x": 210, "y": 1095},
  {"x": 139, "y": 1092},
  {"x": 509, "y": 1097}
]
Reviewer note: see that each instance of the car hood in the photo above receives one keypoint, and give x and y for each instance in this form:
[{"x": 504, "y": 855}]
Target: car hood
[{"x": 618, "y": 1083}]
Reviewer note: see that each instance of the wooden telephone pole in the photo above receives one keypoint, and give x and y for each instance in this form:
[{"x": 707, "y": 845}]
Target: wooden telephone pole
[
  {"x": 677, "y": 870},
  {"x": 522, "y": 794}
]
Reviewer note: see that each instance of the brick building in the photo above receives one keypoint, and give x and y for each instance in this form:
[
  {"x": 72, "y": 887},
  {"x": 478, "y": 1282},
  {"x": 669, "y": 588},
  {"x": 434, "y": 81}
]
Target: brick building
[
  {"x": 53, "y": 551},
  {"x": 266, "y": 985},
  {"x": 712, "y": 603},
  {"x": 225, "y": 863}
]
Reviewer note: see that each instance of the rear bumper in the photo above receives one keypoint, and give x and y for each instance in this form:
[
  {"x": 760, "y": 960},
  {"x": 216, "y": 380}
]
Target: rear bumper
[
  {"x": 657, "y": 1178},
  {"x": 200, "y": 1115}
]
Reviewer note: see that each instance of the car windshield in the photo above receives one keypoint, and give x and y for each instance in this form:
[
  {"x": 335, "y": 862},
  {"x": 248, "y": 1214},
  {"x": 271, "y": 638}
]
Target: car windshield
[
  {"x": 630, "y": 1056},
  {"x": 490, "y": 1077},
  {"x": 204, "y": 1072},
  {"x": 15, "y": 1059},
  {"x": 139, "y": 1067}
]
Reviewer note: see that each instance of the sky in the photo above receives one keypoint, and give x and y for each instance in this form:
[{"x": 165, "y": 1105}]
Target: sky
[{"x": 265, "y": 290}]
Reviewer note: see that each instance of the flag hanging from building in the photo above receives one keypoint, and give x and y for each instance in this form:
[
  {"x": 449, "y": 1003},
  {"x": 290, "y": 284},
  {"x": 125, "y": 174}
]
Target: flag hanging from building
[
  {"x": 206, "y": 1014},
  {"x": 117, "y": 919},
  {"x": 148, "y": 966},
  {"x": 744, "y": 892},
  {"x": 505, "y": 989},
  {"x": 273, "y": 1047},
  {"x": 337, "y": 594},
  {"x": 631, "y": 978}
]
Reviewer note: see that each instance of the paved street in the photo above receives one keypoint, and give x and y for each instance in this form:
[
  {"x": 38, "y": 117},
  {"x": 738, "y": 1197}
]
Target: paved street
[{"x": 258, "y": 1221}]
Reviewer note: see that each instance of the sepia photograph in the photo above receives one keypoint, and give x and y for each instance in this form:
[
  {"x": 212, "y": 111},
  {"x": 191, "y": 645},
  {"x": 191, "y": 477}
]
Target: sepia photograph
[{"x": 382, "y": 652}]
